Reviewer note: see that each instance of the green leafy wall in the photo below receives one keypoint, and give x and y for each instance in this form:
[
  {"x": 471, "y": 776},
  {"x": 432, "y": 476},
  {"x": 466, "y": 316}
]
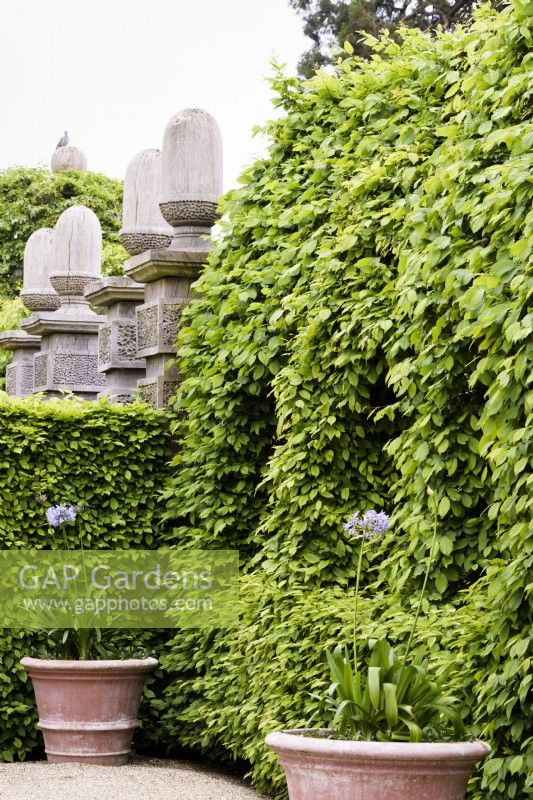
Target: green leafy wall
[
  {"x": 111, "y": 459},
  {"x": 364, "y": 331}
]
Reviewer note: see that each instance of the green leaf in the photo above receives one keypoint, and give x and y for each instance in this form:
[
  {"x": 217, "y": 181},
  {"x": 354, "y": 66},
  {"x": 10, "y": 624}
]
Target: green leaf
[{"x": 391, "y": 706}]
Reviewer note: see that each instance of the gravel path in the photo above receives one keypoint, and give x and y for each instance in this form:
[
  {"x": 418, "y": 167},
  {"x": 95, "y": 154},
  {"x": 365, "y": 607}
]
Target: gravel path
[{"x": 142, "y": 779}]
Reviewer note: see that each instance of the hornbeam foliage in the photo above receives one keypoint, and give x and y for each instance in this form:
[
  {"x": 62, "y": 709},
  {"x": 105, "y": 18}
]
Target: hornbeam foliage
[{"x": 364, "y": 332}]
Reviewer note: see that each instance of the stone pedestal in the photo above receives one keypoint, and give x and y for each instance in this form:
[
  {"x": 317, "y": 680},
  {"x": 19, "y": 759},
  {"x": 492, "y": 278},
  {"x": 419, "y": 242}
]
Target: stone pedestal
[
  {"x": 19, "y": 373},
  {"x": 68, "y": 360},
  {"x": 167, "y": 275},
  {"x": 117, "y": 336}
]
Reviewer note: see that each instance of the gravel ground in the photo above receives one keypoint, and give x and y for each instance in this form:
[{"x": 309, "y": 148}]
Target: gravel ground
[{"x": 141, "y": 779}]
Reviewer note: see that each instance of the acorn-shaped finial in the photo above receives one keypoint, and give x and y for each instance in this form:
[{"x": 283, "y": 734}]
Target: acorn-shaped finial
[
  {"x": 77, "y": 253},
  {"x": 68, "y": 157},
  {"x": 192, "y": 172},
  {"x": 143, "y": 227},
  {"x": 38, "y": 293}
]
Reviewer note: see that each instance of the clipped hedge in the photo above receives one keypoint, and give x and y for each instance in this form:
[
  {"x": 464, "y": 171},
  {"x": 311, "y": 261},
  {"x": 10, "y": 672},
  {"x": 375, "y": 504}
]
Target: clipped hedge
[
  {"x": 112, "y": 460},
  {"x": 364, "y": 331}
]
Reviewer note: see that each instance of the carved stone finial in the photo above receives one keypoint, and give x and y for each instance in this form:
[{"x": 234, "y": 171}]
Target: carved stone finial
[
  {"x": 69, "y": 336},
  {"x": 77, "y": 254},
  {"x": 38, "y": 293},
  {"x": 143, "y": 227},
  {"x": 192, "y": 176},
  {"x": 68, "y": 157}
]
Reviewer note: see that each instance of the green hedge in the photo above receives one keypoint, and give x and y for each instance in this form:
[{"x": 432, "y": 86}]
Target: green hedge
[
  {"x": 112, "y": 460},
  {"x": 364, "y": 331}
]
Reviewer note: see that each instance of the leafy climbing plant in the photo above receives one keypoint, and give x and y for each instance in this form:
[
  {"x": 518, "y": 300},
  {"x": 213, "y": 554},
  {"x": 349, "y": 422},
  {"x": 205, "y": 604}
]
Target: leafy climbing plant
[{"x": 363, "y": 330}]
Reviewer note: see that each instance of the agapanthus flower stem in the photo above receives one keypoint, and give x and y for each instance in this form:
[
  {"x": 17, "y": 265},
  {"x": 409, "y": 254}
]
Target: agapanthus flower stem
[
  {"x": 433, "y": 500},
  {"x": 356, "y": 602}
]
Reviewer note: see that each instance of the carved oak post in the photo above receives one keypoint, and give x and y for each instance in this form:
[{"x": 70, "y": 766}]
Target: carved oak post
[
  {"x": 192, "y": 185},
  {"x": 37, "y": 295},
  {"x": 69, "y": 336}
]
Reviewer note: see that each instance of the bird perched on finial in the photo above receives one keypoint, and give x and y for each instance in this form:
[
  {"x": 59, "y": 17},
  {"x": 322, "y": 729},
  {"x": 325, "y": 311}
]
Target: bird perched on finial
[{"x": 63, "y": 141}]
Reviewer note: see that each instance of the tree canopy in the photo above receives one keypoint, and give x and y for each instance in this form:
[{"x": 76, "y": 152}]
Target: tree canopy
[{"x": 331, "y": 22}]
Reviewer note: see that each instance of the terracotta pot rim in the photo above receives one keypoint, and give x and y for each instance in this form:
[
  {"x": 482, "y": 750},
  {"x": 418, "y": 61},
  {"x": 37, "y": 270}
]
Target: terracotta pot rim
[
  {"x": 295, "y": 740},
  {"x": 88, "y": 665}
]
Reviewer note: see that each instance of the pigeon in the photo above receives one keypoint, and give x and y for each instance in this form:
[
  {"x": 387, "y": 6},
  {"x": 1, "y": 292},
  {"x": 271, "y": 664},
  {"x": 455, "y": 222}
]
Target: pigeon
[{"x": 63, "y": 141}]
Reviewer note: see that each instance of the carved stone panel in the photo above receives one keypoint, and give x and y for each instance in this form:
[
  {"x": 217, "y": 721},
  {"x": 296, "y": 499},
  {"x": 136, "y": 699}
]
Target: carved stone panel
[
  {"x": 169, "y": 389},
  {"x": 148, "y": 392},
  {"x": 146, "y": 327},
  {"x": 25, "y": 386},
  {"x": 11, "y": 379},
  {"x": 157, "y": 327},
  {"x": 76, "y": 369},
  {"x": 159, "y": 392},
  {"x": 126, "y": 341},
  {"x": 104, "y": 344},
  {"x": 171, "y": 316},
  {"x": 40, "y": 369}
]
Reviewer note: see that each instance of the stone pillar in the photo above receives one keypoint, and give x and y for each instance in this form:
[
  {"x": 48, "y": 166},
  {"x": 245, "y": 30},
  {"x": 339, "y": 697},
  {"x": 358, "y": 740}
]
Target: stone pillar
[
  {"x": 192, "y": 185},
  {"x": 117, "y": 337},
  {"x": 37, "y": 294},
  {"x": 68, "y": 360},
  {"x": 143, "y": 227},
  {"x": 19, "y": 373}
]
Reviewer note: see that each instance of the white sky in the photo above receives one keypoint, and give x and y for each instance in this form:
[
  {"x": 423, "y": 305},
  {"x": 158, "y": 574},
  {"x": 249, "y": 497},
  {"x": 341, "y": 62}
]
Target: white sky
[{"x": 112, "y": 72}]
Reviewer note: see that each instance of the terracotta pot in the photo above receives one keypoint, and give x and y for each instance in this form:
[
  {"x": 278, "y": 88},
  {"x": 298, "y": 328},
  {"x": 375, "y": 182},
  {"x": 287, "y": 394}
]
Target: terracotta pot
[
  {"x": 88, "y": 709},
  {"x": 318, "y": 768}
]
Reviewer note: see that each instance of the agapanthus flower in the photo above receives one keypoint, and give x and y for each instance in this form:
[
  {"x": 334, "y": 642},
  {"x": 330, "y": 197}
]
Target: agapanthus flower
[
  {"x": 370, "y": 525},
  {"x": 57, "y": 515}
]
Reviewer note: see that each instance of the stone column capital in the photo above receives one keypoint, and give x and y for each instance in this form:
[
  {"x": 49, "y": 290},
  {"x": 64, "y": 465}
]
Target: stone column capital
[
  {"x": 106, "y": 292},
  {"x": 155, "y": 264}
]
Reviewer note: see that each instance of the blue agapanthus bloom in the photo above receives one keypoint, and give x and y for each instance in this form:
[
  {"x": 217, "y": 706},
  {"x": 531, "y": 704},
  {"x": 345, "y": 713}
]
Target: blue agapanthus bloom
[
  {"x": 57, "y": 515},
  {"x": 370, "y": 525}
]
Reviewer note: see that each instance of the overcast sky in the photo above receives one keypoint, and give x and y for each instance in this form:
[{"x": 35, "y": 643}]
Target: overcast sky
[{"x": 112, "y": 72}]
